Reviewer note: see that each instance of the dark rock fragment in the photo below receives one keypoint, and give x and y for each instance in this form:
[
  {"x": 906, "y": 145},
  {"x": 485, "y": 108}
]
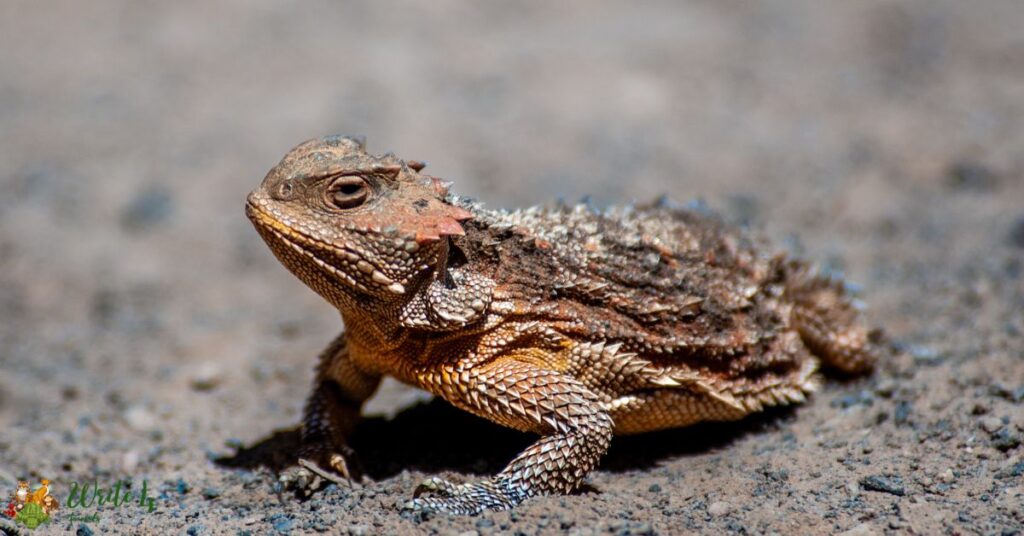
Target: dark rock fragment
[{"x": 885, "y": 484}]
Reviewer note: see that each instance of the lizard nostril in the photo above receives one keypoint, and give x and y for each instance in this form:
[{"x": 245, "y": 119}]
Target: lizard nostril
[{"x": 284, "y": 191}]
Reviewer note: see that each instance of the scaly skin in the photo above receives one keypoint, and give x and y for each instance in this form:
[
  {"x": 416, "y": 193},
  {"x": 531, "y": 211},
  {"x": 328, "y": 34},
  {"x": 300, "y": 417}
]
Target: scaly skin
[{"x": 566, "y": 322}]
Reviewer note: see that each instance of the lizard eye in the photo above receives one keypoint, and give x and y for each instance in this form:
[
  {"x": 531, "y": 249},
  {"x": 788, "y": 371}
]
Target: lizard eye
[{"x": 348, "y": 192}]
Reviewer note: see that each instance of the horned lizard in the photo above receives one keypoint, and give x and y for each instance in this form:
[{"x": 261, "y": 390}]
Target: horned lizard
[{"x": 567, "y": 322}]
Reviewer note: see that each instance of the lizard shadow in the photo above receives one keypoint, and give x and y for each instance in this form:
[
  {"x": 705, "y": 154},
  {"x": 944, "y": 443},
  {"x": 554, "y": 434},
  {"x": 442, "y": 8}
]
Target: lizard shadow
[{"x": 434, "y": 437}]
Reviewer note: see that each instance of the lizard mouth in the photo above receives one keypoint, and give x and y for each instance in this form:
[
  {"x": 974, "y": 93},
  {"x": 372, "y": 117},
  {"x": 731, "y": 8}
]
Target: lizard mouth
[{"x": 319, "y": 253}]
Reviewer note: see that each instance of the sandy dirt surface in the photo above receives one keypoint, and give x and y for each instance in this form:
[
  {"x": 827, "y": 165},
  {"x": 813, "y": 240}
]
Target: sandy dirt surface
[{"x": 146, "y": 333}]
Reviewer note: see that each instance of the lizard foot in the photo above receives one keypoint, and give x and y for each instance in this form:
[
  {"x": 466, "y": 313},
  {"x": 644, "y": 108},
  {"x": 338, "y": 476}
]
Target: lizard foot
[
  {"x": 439, "y": 495},
  {"x": 318, "y": 467}
]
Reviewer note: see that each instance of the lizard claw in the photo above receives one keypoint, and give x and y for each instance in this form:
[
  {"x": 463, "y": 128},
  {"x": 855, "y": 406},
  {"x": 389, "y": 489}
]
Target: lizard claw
[
  {"x": 308, "y": 476},
  {"x": 337, "y": 463}
]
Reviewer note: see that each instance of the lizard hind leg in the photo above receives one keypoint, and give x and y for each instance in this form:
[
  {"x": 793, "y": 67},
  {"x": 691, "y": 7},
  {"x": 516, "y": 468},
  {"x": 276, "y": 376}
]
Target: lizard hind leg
[{"x": 829, "y": 324}]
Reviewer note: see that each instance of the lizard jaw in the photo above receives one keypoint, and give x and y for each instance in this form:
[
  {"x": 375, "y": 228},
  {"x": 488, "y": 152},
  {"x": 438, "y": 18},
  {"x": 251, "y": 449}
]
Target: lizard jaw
[{"x": 316, "y": 250}]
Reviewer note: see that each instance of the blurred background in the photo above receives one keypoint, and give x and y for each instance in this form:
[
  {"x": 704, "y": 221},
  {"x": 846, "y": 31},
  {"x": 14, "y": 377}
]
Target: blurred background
[{"x": 144, "y": 325}]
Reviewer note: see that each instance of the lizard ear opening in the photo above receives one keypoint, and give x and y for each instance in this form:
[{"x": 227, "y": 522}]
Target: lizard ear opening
[
  {"x": 449, "y": 256},
  {"x": 456, "y": 257}
]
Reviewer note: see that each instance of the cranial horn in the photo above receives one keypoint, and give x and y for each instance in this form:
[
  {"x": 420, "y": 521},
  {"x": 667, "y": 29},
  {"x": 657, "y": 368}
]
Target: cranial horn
[
  {"x": 440, "y": 186},
  {"x": 427, "y": 235},
  {"x": 416, "y": 165},
  {"x": 450, "y": 227},
  {"x": 434, "y": 230},
  {"x": 460, "y": 214}
]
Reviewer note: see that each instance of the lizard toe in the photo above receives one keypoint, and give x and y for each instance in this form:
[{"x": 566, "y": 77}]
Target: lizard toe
[
  {"x": 438, "y": 495},
  {"x": 307, "y": 476},
  {"x": 300, "y": 480},
  {"x": 445, "y": 505},
  {"x": 435, "y": 486}
]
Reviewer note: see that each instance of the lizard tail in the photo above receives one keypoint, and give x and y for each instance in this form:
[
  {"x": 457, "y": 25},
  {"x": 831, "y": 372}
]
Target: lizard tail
[{"x": 829, "y": 323}]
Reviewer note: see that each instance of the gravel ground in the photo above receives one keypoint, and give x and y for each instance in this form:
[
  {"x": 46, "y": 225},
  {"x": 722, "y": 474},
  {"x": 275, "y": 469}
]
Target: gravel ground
[{"x": 147, "y": 334}]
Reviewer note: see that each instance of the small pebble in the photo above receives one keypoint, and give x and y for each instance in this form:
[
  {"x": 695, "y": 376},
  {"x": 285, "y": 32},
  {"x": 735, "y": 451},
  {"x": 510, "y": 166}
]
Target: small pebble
[
  {"x": 853, "y": 489},
  {"x": 901, "y": 415},
  {"x": 211, "y": 493},
  {"x": 1013, "y": 395},
  {"x": 885, "y": 388},
  {"x": 130, "y": 461},
  {"x": 863, "y": 529},
  {"x": 969, "y": 175},
  {"x": 207, "y": 376},
  {"x": 1011, "y": 470},
  {"x": 181, "y": 486},
  {"x": 1005, "y": 439},
  {"x": 990, "y": 424},
  {"x": 282, "y": 523},
  {"x": 140, "y": 418},
  {"x": 719, "y": 508},
  {"x": 1017, "y": 395},
  {"x": 924, "y": 355},
  {"x": 846, "y": 401},
  {"x": 884, "y": 484},
  {"x": 1017, "y": 232}
]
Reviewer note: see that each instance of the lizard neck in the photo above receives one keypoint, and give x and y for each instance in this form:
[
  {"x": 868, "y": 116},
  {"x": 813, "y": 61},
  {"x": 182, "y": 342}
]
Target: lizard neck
[
  {"x": 382, "y": 347},
  {"x": 372, "y": 326}
]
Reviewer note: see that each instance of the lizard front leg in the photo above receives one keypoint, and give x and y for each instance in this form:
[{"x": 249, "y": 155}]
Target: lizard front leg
[
  {"x": 331, "y": 413},
  {"x": 576, "y": 432}
]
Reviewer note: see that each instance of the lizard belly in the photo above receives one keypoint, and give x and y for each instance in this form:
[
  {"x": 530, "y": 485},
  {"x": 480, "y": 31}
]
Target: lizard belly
[
  {"x": 643, "y": 395},
  {"x": 660, "y": 409}
]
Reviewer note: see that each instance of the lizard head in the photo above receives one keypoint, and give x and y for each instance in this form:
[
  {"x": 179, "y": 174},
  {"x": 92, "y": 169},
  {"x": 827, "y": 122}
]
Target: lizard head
[{"x": 356, "y": 228}]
